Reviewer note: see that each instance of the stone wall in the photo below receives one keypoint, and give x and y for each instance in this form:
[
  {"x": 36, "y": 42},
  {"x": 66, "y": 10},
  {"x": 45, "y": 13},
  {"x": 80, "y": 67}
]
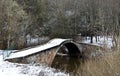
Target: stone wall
[{"x": 45, "y": 57}]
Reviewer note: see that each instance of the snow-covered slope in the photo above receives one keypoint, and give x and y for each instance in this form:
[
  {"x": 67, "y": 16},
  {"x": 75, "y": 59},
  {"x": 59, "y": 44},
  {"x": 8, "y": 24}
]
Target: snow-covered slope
[{"x": 14, "y": 69}]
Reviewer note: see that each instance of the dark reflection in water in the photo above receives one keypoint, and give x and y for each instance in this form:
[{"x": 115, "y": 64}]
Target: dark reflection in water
[{"x": 70, "y": 65}]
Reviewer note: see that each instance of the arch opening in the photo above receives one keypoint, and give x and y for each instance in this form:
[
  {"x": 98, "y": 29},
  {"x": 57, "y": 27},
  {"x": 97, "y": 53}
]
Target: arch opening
[
  {"x": 73, "y": 50},
  {"x": 68, "y": 53},
  {"x": 69, "y": 49}
]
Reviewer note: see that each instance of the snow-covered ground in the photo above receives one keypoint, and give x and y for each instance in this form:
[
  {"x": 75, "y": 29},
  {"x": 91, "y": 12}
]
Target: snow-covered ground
[
  {"x": 15, "y": 69},
  {"x": 103, "y": 41}
]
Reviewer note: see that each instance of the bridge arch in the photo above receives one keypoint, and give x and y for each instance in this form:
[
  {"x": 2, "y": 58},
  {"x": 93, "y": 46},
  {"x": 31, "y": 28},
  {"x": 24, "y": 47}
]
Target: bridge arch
[
  {"x": 73, "y": 49},
  {"x": 70, "y": 49}
]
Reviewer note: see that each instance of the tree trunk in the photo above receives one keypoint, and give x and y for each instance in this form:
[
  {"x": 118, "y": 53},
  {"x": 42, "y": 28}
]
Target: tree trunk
[{"x": 91, "y": 39}]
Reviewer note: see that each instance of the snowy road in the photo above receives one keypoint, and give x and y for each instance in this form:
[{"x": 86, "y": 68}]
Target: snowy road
[{"x": 14, "y": 69}]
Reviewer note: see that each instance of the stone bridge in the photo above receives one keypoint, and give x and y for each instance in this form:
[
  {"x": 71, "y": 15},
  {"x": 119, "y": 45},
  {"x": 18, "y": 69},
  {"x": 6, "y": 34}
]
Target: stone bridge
[{"x": 46, "y": 53}]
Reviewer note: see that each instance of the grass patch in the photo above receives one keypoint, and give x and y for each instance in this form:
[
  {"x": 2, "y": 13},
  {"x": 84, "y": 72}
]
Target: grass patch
[{"x": 107, "y": 65}]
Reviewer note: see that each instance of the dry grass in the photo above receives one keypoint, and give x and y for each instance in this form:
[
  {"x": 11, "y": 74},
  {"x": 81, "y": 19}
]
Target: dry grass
[{"x": 107, "y": 65}]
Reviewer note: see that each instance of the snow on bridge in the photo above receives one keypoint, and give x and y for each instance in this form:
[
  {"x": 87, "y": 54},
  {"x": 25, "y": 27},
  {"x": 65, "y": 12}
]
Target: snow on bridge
[
  {"x": 45, "y": 53},
  {"x": 52, "y": 43}
]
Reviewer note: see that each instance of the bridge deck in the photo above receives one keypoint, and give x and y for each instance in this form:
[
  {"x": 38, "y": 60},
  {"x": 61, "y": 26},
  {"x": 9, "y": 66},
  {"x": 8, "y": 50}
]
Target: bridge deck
[{"x": 52, "y": 43}]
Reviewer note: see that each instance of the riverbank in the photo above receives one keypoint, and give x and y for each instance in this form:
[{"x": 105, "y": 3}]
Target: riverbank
[{"x": 15, "y": 69}]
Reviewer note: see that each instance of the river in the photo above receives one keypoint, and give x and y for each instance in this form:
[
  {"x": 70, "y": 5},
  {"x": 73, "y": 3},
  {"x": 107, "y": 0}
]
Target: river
[{"x": 68, "y": 65}]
